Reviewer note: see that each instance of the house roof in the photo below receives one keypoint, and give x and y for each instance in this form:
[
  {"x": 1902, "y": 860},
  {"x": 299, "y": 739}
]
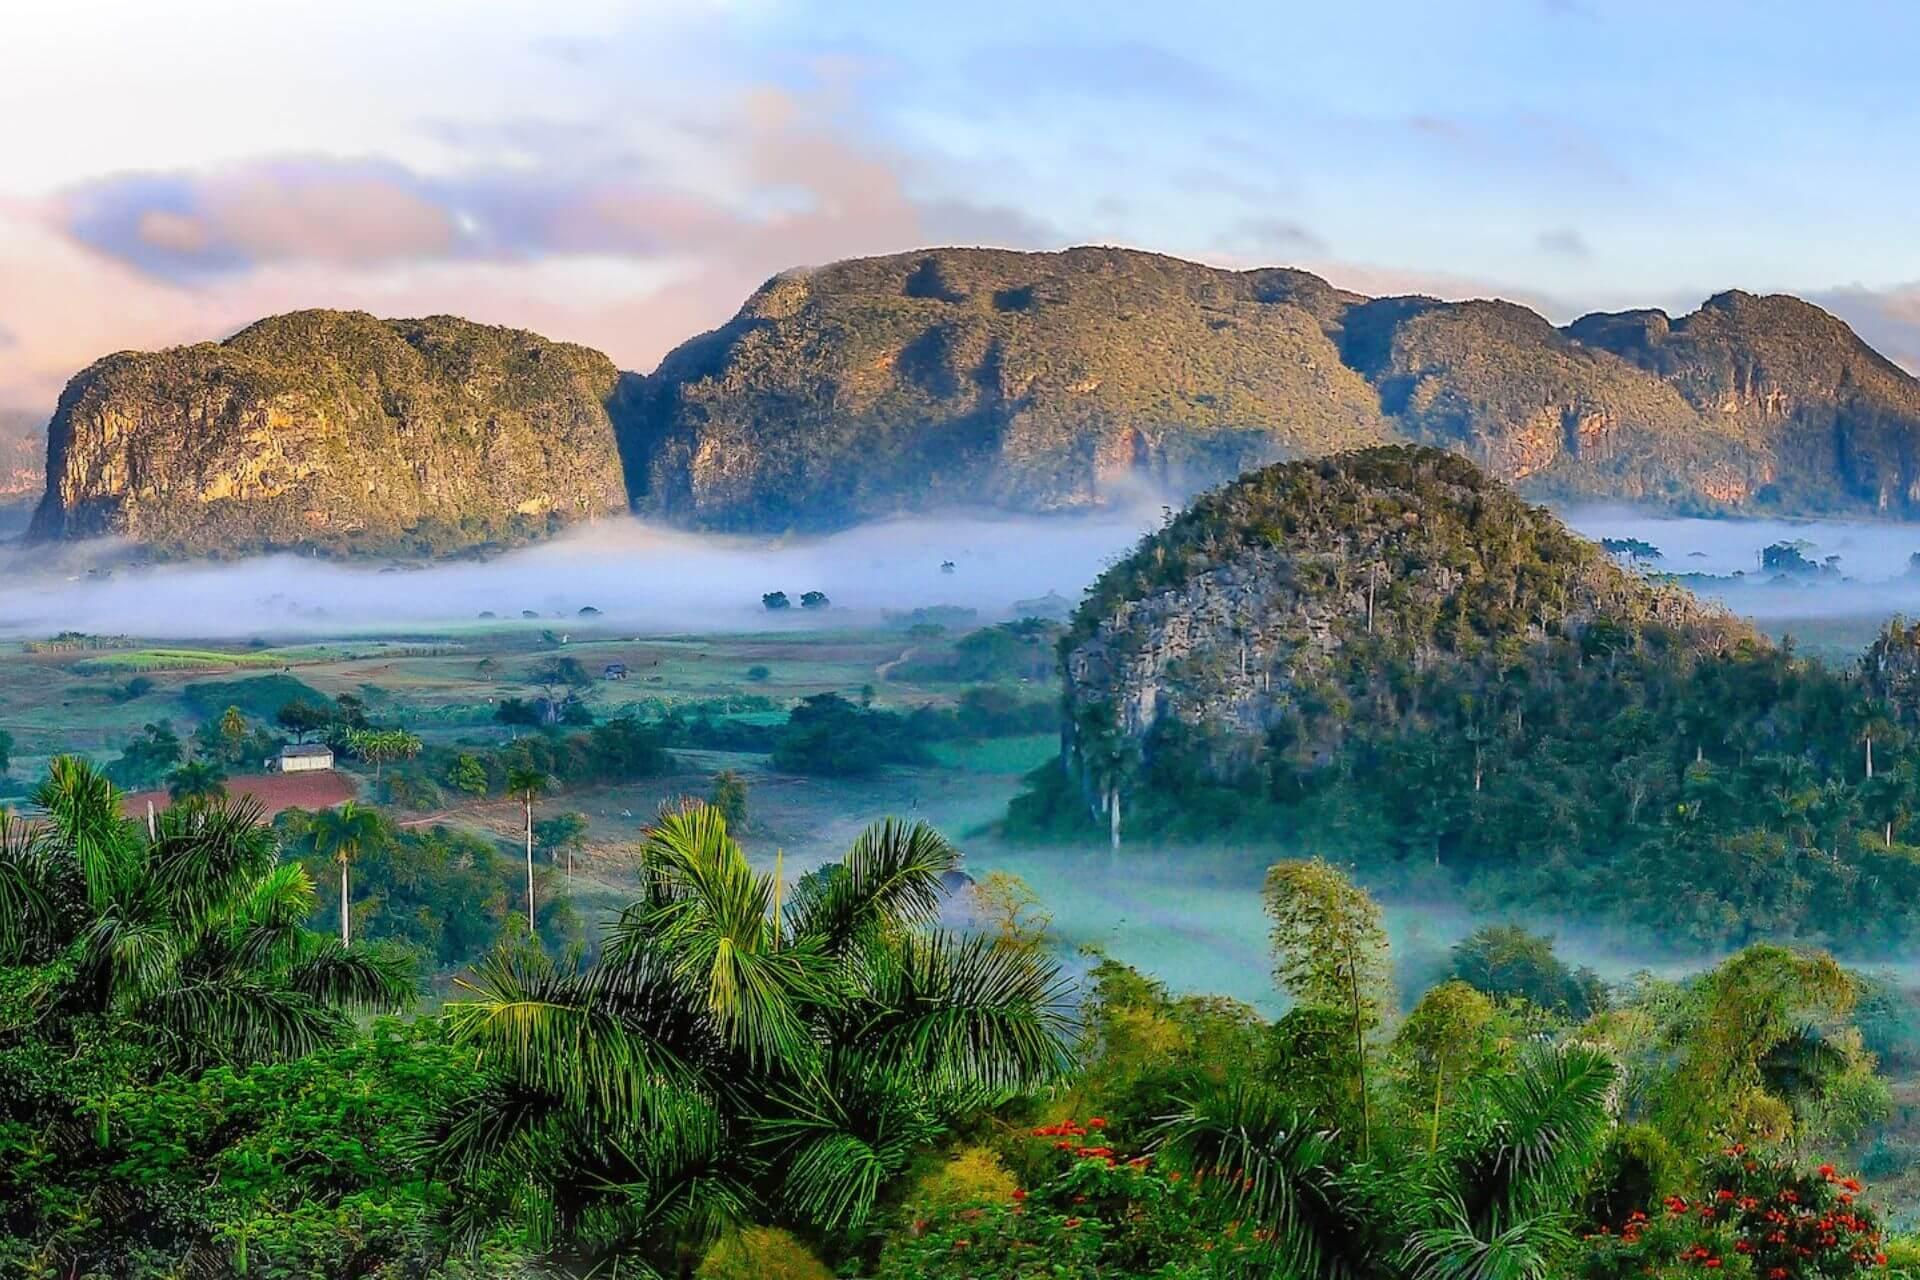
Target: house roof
[{"x": 306, "y": 749}]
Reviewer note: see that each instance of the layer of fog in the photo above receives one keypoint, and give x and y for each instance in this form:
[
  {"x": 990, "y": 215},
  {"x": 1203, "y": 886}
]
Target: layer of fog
[
  {"x": 1193, "y": 919},
  {"x": 639, "y": 577},
  {"x": 1873, "y": 565}
]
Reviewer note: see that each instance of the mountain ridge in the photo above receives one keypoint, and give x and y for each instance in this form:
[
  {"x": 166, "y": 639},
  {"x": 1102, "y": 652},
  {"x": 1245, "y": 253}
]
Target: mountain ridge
[{"x": 1037, "y": 382}]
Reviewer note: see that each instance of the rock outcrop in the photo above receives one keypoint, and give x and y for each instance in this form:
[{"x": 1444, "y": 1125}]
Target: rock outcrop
[
  {"x": 1279, "y": 613},
  {"x": 338, "y": 431}
]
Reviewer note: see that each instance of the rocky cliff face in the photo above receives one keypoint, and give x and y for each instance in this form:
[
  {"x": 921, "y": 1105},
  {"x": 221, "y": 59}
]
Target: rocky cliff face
[
  {"x": 339, "y": 431},
  {"x": 1058, "y": 381},
  {"x": 1311, "y": 600},
  {"x": 1039, "y": 382}
]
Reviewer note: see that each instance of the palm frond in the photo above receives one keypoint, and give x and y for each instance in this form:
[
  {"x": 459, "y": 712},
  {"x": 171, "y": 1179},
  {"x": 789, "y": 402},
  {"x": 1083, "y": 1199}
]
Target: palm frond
[
  {"x": 368, "y": 978},
  {"x": 126, "y": 958},
  {"x": 205, "y": 857},
  {"x": 201, "y": 1022},
  {"x": 892, "y": 878},
  {"x": 1552, "y": 1116},
  {"x": 1267, "y": 1162},
  {"x": 29, "y": 890},
  {"x": 1532, "y": 1248},
  {"x": 568, "y": 1037},
  {"x": 836, "y": 1147},
  {"x": 708, "y": 916},
  {"x": 84, "y": 809},
  {"x": 953, "y": 1007}
]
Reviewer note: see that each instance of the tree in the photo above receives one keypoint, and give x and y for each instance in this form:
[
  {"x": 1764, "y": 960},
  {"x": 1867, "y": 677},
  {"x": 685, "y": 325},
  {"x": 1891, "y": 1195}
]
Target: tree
[
  {"x": 527, "y": 782},
  {"x": 1495, "y": 1200},
  {"x": 302, "y": 719},
  {"x": 517, "y": 713},
  {"x": 1010, "y": 911},
  {"x": 776, "y": 600},
  {"x": 1443, "y": 1037},
  {"x": 1872, "y": 719},
  {"x": 728, "y": 794},
  {"x": 732, "y": 1057},
  {"x": 814, "y": 600},
  {"x": 6, "y": 750},
  {"x": 196, "y": 780},
  {"x": 557, "y": 679},
  {"x": 468, "y": 774},
  {"x": 149, "y": 757},
  {"x": 563, "y": 833},
  {"x": 189, "y": 940},
  {"x": 383, "y": 746},
  {"x": 1330, "y": 952},
  {"x": 1506, "y": 960},
  {"x": 341, "y": 835},
  {"x": 233, "y": 726}
]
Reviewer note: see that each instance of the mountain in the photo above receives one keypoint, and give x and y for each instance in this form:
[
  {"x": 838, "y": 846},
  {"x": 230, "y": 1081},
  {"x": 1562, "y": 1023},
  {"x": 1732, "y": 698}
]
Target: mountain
[
  {"x": 335, "y": 430},
  {"x": 1391, "y": 658},
  {"x": 1028, "y": 381},
  {"x": 1038, "y": 382},
  {"x": 1055, "y": 381}
]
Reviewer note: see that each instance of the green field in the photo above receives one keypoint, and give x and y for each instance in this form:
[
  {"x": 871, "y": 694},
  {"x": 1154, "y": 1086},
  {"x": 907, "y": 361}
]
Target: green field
[{"x": 147, "y": 661}]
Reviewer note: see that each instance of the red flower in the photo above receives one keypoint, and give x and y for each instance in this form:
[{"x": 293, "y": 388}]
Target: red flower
[
  {"x": 1096, "y": 1122},
  {"x": 1019, "y": 1193},
  {"x": 1071, "y": 1223},
  {"x": 1826, "y": 1171}
]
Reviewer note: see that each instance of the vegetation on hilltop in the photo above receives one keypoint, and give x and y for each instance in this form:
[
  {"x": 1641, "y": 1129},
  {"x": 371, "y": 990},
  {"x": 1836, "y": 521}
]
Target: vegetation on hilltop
[
  {"x": 1390, "y": 657},
  {"x": 337, "y": 431}
]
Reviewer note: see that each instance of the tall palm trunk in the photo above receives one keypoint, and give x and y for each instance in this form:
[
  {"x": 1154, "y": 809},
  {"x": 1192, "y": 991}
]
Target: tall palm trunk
[
  {"x": 1360, "y": 1054},
  {"x": 346, "y": 927},
  {"x": 531, "y": 916}
]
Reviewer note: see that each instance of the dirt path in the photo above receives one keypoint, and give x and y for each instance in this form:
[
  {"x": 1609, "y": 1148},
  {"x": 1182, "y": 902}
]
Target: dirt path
[{"x": 885, "y": 669}]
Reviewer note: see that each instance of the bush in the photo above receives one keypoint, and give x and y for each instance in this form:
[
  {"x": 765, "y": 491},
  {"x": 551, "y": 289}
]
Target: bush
[
  {"x": 828, "y": 736},
  {"x": 761, "y": 1253},
  {"x": 971, "y": 1175},
  {"x": 1757, "y": 1214}
]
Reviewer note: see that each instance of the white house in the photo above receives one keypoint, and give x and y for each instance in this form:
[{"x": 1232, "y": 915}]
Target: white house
[{"x": 302, "y": 758}]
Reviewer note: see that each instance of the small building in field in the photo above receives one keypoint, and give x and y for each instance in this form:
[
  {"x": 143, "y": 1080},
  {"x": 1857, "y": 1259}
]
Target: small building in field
[
  {"x": 615, "y": 671},
  {"x": 305, "y": 757}
]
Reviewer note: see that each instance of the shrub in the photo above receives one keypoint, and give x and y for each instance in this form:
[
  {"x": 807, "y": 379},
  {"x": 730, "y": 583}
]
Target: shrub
[
  {"x": 761, "y": 1253},
  {"x": 1757, "y": 1214},
  {"x": 970, "y": 1176}
]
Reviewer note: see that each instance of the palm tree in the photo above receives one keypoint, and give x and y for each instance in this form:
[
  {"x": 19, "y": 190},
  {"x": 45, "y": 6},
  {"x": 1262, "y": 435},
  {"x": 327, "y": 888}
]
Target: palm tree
[
  {"x": 196, "y": 780},
  {"x": 731, "y": 1057},
  {"x": 527, "y": 782},
  {"x": 1495, "y": 1201},
  {"x": 341, "y": 834},
  {"x": 190, "y": 939}
]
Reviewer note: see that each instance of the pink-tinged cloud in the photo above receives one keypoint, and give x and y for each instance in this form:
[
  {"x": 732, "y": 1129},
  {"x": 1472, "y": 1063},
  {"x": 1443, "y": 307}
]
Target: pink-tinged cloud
[{"x": 627, "y": 262}]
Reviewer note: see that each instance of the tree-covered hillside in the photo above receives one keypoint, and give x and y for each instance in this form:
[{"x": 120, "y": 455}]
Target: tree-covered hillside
[{"x": 1390, "y": 657}]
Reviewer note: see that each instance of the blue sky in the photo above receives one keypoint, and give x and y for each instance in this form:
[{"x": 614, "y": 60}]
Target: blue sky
[{"x": 624, "y": 173}]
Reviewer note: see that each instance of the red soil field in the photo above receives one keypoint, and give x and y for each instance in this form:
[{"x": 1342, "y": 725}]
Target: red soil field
[{"x": 321, "y": 789}]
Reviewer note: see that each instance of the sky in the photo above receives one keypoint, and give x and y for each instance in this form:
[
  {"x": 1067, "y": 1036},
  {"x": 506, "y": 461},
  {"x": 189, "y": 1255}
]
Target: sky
[{"x": 623, "y": 173}]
